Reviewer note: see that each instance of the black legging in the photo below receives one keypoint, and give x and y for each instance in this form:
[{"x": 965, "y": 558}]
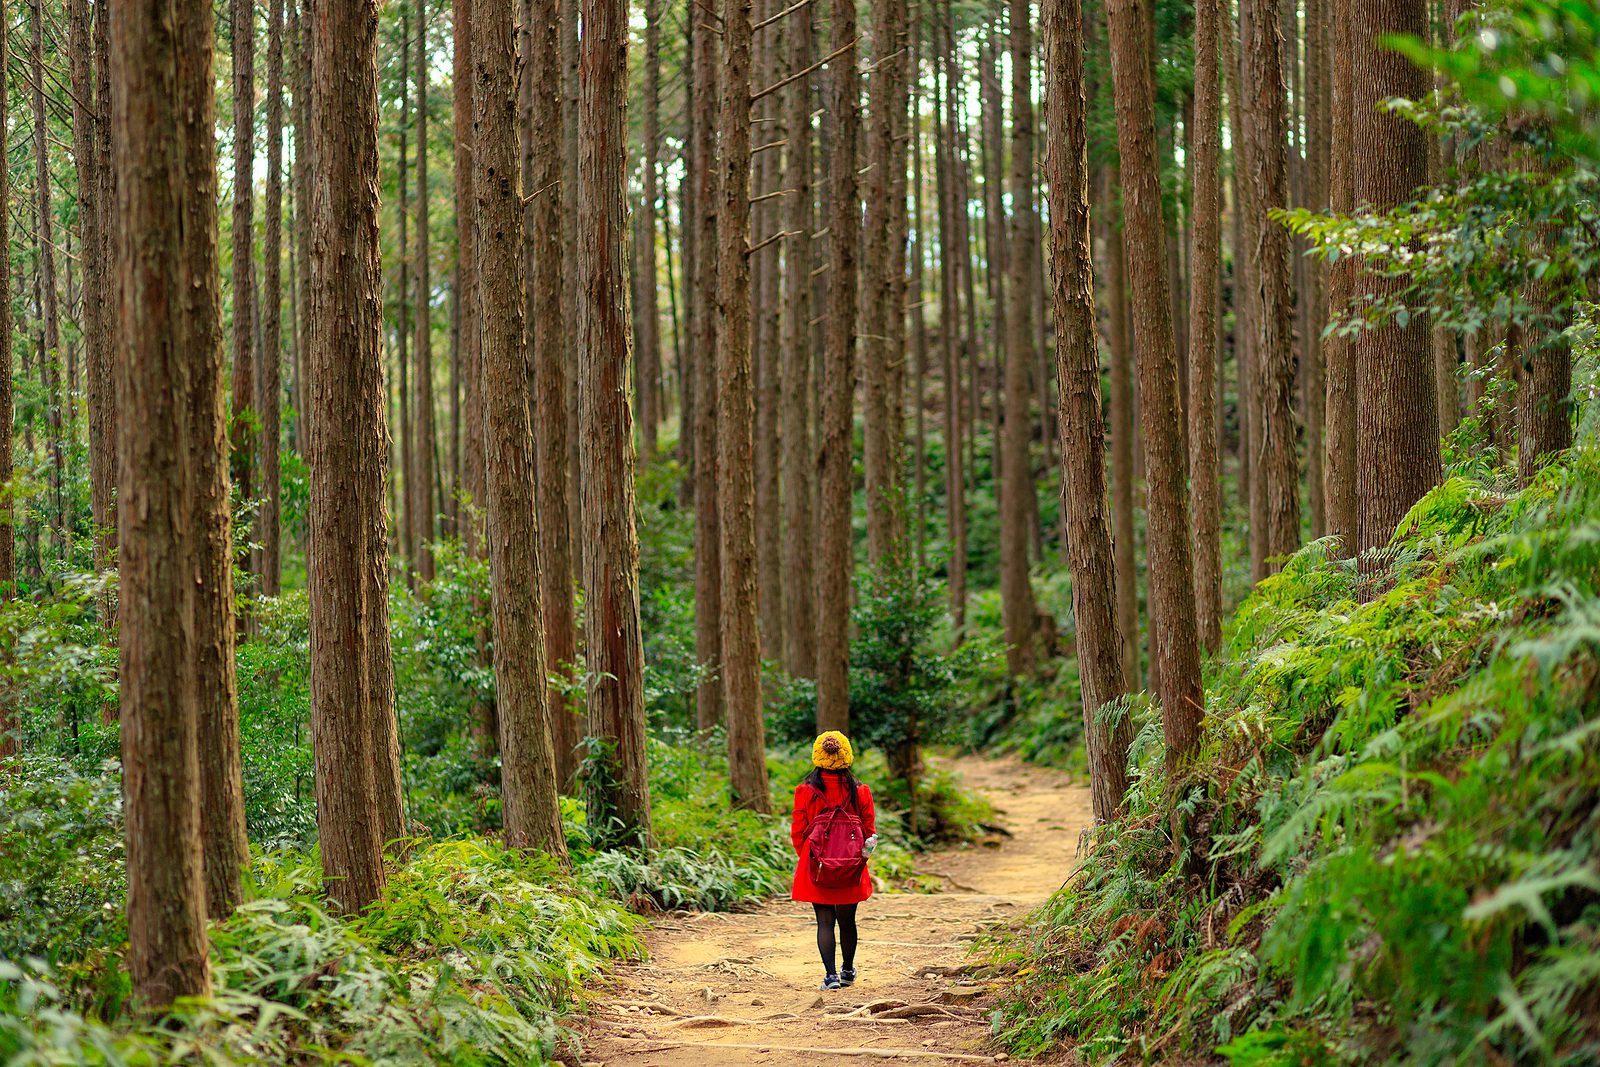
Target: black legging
[{"x": 845, "y": 916}]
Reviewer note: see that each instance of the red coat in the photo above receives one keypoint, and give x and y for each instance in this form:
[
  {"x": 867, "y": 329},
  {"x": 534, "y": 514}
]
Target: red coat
[{"x": 808, "y": 804}]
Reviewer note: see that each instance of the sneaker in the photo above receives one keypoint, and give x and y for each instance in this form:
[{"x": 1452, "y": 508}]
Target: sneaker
[
  {"x": 830, "y": 982},
  {"x": 847, "y": 976}
]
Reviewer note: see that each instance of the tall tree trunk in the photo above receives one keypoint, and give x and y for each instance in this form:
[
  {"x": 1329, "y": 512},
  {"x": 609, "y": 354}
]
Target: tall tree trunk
[
  {"x": 1397, "y": 422},
  {"x": 9, "y": 724},
  {"x": 302, "y": 204},
  {"x": 1339, "y": 467},
  {"x": 571, "y": 106},
  {"x": 527, "y": 757},
  {"x": 549, "y": 331},
  {"x": 269, "y": 381},
  {"x": 1122, "y": 450},
  {"x": 224, "y": 846},
  {"x": 423, "y": 508},
  {"x": 1083, "y": 471},
  {"x": 1266, "y": 157},
  {"x": 242, "y": 38},
  {"x": 49, "y": 310},
  {"x": 764, "y": 303},
  {"x": 1016, "y": 491},
  {"x": 404, "y": 439},
  {"x": 954, "y": 483},
  {"x": 1312, "y": 300},
  {"x": 485, "y": 729},
  {"x": 1205, "y": 268},
  {"x": 87, "y": 119},
  {"x": 799, "y": 459},
  {"x": 878, "y": 289},
  {"x": 736, "y": 488},
  {"x": 835, "y": 563},
  {"x": 163, "y": 69},
  {"x": 919, "y": 318},
  {"x": 610, "y": 541},
  {"x": 359, "y": 807},
  {"x": 705, "y": 320},
  {"x": 899, "y": 234},
  {"x": 648, "y": 359},
  {"x": 1171, "y": 565},
  {"x": 994, "y": 216},
  {"x": 689, "y": 213}
]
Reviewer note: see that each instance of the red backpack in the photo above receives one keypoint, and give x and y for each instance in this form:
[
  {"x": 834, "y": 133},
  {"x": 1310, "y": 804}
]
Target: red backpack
[{"x": 834, "y": 842}]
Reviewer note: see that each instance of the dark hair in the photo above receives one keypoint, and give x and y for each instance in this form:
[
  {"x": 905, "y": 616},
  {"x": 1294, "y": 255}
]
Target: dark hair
[{"x": 852, "y": 784}]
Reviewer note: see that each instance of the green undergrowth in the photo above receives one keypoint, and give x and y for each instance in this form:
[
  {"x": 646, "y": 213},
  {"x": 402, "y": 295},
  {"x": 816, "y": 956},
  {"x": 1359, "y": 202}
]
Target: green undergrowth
[
  {"x": 473, "y": 955},
  {"x": 1388, "y": 847}
]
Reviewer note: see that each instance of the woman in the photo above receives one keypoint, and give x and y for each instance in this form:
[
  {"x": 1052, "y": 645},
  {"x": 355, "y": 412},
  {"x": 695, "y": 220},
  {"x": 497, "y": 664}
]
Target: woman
[{"x": 834, "y": 830}]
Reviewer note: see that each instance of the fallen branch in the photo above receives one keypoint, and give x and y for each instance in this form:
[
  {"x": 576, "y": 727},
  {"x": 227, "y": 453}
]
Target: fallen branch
[
  {"x": 726, "y": 1020},
  {"x": 951, "y": 879}
]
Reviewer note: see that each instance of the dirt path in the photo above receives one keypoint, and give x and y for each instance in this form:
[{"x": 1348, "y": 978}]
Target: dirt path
[{"x": 725, "y": 990}]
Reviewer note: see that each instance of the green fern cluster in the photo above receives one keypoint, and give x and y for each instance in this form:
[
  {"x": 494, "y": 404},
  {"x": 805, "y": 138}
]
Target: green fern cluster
[
  {"x": 471, "y": 957},
  {"x": 1389, "y": 847}
]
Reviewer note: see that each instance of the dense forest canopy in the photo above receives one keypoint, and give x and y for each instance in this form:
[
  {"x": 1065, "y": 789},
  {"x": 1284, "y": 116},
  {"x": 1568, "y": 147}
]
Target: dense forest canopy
[{"x": 462, "y": 452}]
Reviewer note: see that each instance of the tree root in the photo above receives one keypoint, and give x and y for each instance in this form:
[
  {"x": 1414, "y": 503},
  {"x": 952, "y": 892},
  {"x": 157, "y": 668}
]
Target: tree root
[{"x": 814, "y": 1050}]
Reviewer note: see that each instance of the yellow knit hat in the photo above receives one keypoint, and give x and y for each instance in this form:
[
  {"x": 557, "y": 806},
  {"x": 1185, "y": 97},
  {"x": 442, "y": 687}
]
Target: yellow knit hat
[{"x": 831, "y": 751}]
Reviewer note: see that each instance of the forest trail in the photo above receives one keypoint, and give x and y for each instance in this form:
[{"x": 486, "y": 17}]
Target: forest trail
[{"x": 723, "y": 990}]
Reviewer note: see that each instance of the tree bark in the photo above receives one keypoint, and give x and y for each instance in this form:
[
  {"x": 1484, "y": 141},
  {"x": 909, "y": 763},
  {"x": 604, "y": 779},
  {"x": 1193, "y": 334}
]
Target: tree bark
[
  {"x": 919, "y": 318},
  {"x": 269, "y": 381},
  {"x": 1122, "y": 450},
  {"x": 242, "y": 39},
  {"x": 303, "y": 138},
  {"x": 467, "y": 265},
  {"x": 1205, "y": 270},
  {"x": 424, "y": 510},
  {"x": 359, "y": 807},
  {"x": 97, "y": 305},
  {"x": 736, "y": 489},
  {"x": 569, "y": 31},
  {"x": 404, "y": 439},
  {"x": 1397, "y": 429},
  {"x": 994, "y": 217},
  {"x": 1339, "y": 464},
  {"x": 1171, "y": 565},
  {"x": 1314, "y": 386},
  {"x": 765, "y": 298},
  {"x": 527, "y": 756},
  {"x": 798, "y": 459},
  {"x": 49, "y": 307},
  {"x": 878, "y": 289},
  {"x": 835, "y": 563},
  {"x": 954, "y": 482},
  {"x": 162, "y": 69},
  {"x": 705, "y": 319},
  {"x": 649, "y": 355},
  {"x": 610, "y": 541},
  {"x": 1267, "y": 160},
  {"x": 1083, "y": 473},
  {"x": 1016, "y": 490},
  {"x": 10, "y": 743},
  {"x": 548, "y": 335}
]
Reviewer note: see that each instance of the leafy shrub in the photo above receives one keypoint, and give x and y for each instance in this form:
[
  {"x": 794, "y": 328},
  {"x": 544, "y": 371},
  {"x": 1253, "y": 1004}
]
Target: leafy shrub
[
  {"x": 469, "y": 958},
  {"x": 1388, "y": 848},
  {"x": 904, "y": 692},
  {"x": 62, "y": 880}
]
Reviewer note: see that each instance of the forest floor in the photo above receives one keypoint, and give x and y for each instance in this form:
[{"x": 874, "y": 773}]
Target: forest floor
[{"x": 731, "y": 989}]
